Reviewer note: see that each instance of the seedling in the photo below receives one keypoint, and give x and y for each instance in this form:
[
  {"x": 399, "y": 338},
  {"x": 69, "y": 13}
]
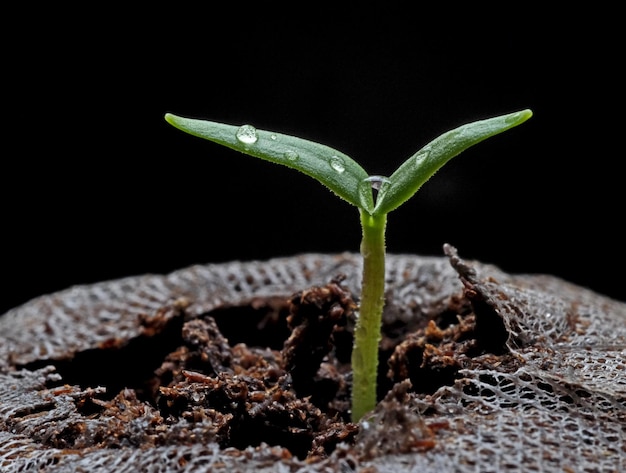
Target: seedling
[{"x": 374, "y": 196}]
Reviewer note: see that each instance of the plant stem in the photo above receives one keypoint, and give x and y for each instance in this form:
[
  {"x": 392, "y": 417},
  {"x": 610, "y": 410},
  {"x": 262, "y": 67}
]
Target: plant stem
[{"x": 367, "y": 332}]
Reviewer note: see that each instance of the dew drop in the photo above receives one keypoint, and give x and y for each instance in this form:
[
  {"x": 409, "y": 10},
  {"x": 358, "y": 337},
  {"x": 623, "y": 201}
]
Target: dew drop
[
  {"x": 372, "y": 187},
  {"x": 422, "y": 155},
  {"x": 377, "y": 182},
  {"x": 291, "y": 155},
  {"x": 337, "y": 164},
  {"x": 273, "y": 137},
  {"x": 247, "y": 134}
]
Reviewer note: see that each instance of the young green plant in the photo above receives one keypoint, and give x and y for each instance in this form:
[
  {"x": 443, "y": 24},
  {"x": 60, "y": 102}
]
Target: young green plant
[{"x": 346, "y": 178}]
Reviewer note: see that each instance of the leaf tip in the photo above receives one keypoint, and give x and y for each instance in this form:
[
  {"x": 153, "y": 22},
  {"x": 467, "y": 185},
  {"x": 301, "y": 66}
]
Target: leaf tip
[
  {"x": 516, "y": 118},
  {"x": 521, "y": 116},
  {"x": 179, "y": 122},
  {"x": 526, "y": 114},
  {"x": 170, "y": 118}
]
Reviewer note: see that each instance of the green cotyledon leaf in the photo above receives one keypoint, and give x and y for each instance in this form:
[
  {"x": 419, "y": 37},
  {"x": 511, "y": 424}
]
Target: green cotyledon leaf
[
  {"x": 337, "y": 171},
  {"x": 415, "y": 171}
]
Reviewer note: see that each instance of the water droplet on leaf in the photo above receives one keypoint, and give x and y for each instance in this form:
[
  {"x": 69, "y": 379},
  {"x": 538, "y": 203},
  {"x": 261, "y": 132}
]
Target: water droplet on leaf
[
  {"x": 247, "y": 134},
  {"x": 422, "y": 155},
  {"x": 371, "y": 187},
  {"x": 291, "y": 155},
  {"x": 273, "y": 137},
  {"x": 337, "y": 164},
  {"x": 377, "y": 182}
]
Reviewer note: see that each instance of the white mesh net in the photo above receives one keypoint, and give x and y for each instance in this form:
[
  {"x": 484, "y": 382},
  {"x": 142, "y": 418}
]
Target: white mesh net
[{"x": 553, "y": 400}]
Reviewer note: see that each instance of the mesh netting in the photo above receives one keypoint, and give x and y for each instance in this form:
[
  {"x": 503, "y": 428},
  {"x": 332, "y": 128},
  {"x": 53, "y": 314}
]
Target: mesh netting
[{"x": 554, "y": 399}]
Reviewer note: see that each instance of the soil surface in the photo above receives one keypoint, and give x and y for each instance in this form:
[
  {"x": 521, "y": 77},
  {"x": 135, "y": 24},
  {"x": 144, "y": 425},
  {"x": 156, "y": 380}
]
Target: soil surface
[
  {"x": 277, "y": 393},
  {"x": 287, "y": 385}
]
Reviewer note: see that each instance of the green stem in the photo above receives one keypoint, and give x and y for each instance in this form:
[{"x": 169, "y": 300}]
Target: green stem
[{"x": 367, "y": 332}]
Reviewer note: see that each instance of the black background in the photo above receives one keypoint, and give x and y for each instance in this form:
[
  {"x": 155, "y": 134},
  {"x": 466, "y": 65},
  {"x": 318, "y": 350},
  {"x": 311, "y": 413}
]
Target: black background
[{"x": 96, "y": 185}]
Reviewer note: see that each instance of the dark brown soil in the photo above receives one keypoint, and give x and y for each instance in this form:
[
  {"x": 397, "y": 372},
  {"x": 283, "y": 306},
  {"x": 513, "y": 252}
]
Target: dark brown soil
[
  {"x": 477, "y": 369},
  {"x": 285, "y": 384}
]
